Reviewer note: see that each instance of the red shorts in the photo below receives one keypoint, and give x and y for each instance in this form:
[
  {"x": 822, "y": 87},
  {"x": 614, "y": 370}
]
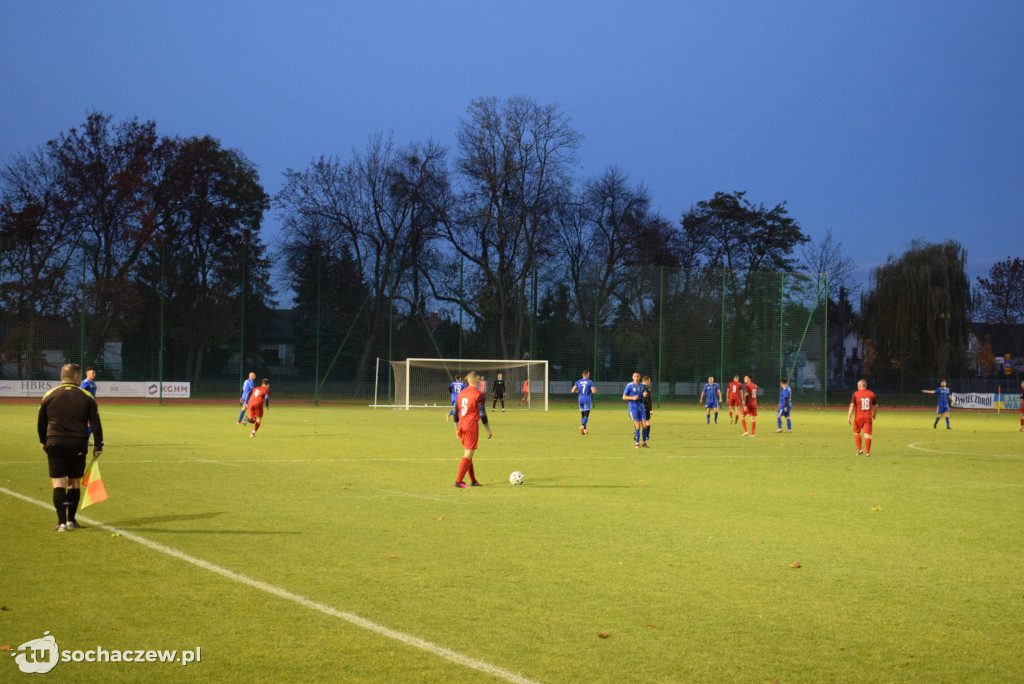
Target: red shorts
[
  {"x": 862, "y": 424},
  {"x": 750, "y": 410},
  {"x": 255, "y": 410},
  {"x": 733, "y": 403},
  {"x": 469, "y": 434}
]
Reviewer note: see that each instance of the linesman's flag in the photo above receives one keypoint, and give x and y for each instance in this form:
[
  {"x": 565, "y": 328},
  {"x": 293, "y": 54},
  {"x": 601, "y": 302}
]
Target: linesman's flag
[{"x": 93, "y": 490}]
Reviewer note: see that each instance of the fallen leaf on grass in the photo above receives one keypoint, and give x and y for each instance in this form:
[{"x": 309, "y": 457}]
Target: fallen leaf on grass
[
  {"x": 392, "y": 556},
  {"x": 5, "y": 647},
  {"x": 441, "y": 518},
  {"x": 876, "y": 508},
  {"x": 795, "y": 564},
  {"x": 603, "y": 635},
  {"x": 649, "y": 627},
  {"x": 115, "y": 535}
]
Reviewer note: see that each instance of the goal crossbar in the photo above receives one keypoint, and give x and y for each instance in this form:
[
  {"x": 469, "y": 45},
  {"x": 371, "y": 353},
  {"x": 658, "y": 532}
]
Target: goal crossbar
[{"x": 424, "y": 383}]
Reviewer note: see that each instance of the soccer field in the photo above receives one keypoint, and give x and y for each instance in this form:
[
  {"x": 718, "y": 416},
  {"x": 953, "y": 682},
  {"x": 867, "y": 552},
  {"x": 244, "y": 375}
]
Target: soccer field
[{"x": 333, "y": 547}]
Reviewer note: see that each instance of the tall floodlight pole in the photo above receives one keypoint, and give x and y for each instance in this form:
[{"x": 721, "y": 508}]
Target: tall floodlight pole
[
  {"x": 316, "y": 360},
  {"x": 81, "y": 344},
  {"x": 160, "y": 342}
]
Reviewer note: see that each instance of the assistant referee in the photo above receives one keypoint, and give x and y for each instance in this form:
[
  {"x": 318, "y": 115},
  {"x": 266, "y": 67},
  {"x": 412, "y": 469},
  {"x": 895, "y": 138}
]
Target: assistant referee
[{"x": 65, "y": 415}]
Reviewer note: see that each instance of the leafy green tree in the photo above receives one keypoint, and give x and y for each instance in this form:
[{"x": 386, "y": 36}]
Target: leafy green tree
[
  {"x": 329, "y": 293},
  {"x": 211, "y": 207},
  {"x": 917, "y": 313},
  {"x": 728, "y": 231},
  {"x": 109, "y": 172}
]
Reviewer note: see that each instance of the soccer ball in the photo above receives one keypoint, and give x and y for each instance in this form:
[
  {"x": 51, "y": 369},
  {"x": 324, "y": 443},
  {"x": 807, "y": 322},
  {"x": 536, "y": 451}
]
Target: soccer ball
[{"x": 516, "y": 478}]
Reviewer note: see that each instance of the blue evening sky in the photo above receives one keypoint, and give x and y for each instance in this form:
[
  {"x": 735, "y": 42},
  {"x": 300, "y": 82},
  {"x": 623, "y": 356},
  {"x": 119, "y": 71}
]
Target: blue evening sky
[{"x": 882, "y": 121}]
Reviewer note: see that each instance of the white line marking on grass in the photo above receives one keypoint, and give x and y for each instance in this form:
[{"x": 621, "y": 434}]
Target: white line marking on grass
[
  {"x": 914, "y": 445},
  {"x": 421, "y": 496},
  {"x": 209, "y": 460},
  {"x": 129, "y": 415},
  {"x": 978, "y": 485},
  {"x": 352, "y": 618}
]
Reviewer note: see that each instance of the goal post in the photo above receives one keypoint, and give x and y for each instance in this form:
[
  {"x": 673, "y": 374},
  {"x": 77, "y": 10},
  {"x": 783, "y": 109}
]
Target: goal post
[{"x": 423, "y": 383}]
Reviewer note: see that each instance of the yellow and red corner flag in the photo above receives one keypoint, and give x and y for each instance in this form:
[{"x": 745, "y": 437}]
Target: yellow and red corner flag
[{"x": 93, "y": 490}]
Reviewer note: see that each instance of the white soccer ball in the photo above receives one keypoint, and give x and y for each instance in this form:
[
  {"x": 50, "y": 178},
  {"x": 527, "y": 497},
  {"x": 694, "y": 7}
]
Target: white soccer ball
[{"x": 517, "y": 478}]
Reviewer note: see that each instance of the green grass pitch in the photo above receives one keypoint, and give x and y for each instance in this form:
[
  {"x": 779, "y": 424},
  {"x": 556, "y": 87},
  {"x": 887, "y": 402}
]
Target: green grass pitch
[{"x": 610, "y": 564}]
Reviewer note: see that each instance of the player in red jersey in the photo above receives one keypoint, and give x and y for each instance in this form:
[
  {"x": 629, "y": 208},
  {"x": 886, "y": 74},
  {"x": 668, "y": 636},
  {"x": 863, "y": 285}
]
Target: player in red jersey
[
  {"x": 258, "y": 399},
  {"x": 749, "y": 405},
  {"x": 734, "y": 394},
  {"x": 471, "y": 404},
  {"x": 864, "y": 408}
]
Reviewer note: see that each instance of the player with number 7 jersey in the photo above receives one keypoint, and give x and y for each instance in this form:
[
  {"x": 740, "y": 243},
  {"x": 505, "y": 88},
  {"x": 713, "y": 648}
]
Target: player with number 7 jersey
[{"x": 863, "y": 409}]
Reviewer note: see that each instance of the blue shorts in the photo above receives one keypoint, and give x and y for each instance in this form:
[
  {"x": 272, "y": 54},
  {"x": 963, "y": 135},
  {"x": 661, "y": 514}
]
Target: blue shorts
[
  {"x": 637, "y": 413},
  {"x": 711, "y": 404},
  {"x": 943, "y": 408},
  {"x": 783, "y": 412},
  {"x": 586, "y": 407}
]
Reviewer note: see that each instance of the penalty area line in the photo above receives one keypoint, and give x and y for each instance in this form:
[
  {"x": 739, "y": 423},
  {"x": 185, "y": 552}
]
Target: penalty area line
[{"x": 352, "y": 618}]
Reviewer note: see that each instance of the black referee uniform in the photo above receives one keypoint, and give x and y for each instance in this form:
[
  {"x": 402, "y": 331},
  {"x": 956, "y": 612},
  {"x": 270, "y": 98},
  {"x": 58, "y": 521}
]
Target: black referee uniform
[{"x": 65, "y": 415}]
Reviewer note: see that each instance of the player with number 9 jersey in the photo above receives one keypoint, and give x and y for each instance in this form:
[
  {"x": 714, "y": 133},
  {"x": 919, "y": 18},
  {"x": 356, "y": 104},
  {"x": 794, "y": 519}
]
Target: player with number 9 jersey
[{"x": 471, "y": 405}]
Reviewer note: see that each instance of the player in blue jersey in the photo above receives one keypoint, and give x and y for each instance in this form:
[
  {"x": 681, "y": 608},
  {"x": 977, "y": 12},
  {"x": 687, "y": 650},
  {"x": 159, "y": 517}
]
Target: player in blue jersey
[
  {"x": 586, "y": 390},
  {"x": 711, "y": 395},
  {"x": 634, "y": 394},
  {"x": 247, "y": 388},
  {"x": 89, "y": 385},
  {"x": 785, "y": 406},
  {"x": 942, "y": 392},
  {"x": 455, "y": 387}
]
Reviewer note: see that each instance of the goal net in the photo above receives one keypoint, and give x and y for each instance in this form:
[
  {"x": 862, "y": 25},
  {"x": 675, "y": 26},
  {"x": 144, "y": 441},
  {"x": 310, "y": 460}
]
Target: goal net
[{"x": 423, "y": 383}]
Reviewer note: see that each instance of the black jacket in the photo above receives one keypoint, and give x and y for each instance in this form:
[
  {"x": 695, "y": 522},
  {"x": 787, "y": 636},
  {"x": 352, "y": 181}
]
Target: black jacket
[{"x": 66, "y": 412}]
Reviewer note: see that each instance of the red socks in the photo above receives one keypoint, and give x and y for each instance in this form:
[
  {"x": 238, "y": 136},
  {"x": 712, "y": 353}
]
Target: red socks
[
  {"x": 464, "y": 466},
  {"x": 472, "y": 473}
]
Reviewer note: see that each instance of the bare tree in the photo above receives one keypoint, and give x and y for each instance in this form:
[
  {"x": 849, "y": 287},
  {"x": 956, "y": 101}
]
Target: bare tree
[
  {"x": 597, "y": 236},
  {"x": 515, "y": 163},
  {"x": 384, "y": 206},
  {"x": 1001, "y": 295},
  {"x": 827, "y": 257},
  {"x": 37, "y": 246}
]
